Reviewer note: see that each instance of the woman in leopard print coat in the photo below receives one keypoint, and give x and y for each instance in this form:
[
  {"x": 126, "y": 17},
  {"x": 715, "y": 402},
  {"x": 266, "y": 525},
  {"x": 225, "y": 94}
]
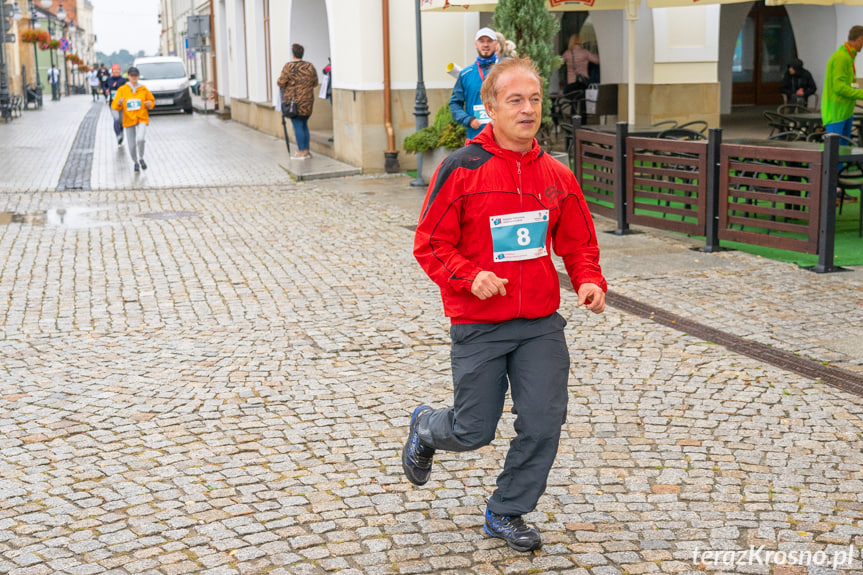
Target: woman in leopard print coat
[{"x": 298, "y": 81}]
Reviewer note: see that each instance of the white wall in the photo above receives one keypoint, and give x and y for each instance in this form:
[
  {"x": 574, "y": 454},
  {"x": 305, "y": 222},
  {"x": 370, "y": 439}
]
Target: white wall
[
  {"x": 308, "y": 26},
  {"x": 814, "y": 27},
  {"x": 731, "y": 19},
  {"x": 612, "y": 36},
  {"x": 223, "y": 56}
]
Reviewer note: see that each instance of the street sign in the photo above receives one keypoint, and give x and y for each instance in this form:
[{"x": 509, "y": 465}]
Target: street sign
[
  {"x": 10, "y": 38},
  {"x": 64, "y": 44},
  {"x": 190, "y": 54},
  {"x": 198, "y": 26}
]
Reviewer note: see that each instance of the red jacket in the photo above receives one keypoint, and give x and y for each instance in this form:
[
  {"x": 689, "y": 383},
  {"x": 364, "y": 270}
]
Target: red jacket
[{"x": 454, "y": 237}]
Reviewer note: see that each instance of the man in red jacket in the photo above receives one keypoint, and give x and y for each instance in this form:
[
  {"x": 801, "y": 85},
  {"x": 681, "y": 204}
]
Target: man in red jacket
[{"x": 492, "y": 211}]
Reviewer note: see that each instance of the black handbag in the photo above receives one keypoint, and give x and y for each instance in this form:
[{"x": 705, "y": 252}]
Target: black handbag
[{"x": 290, "y": 109}]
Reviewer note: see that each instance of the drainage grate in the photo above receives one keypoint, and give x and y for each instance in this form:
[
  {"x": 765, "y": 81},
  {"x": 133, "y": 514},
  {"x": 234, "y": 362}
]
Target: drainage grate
[
  {"x": 76, "y": 172},
  {"x": 840, "y": 378}
]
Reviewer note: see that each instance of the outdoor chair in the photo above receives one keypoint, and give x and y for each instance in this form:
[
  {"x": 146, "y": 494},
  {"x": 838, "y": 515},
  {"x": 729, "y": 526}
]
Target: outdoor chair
[
  {"x": 850, "y": 178},
  {"x": 699, "y": 126},
  {"x": 666, "y": 124},
  {"x": 791, "y": 109},
  {"x": 786, "y": 136},
  {"x": 681, "y": 133},
  {"x": 779, "y": 123}
]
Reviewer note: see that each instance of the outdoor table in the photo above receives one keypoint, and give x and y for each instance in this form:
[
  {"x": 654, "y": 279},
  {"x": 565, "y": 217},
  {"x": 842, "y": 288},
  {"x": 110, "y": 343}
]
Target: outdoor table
[
  {"x": 846, "y": 153},
  {"x": 640, "y": 130},
  {"x": 811, "y": 121}
]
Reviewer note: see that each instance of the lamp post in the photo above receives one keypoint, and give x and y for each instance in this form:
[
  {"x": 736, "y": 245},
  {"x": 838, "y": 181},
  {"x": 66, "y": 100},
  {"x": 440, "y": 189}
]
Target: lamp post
[
  {"x": 421, "y": 108},
  {"x": 33, "y": 21},
  {"x": 5, "y": 110}
]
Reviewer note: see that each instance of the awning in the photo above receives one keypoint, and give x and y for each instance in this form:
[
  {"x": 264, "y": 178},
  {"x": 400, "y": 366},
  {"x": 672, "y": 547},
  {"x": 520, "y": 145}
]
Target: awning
[{"x": 815, "y": 2}]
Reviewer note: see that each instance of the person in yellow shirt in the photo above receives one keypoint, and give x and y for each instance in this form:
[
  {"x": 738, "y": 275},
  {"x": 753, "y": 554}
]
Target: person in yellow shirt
[{"x": 133, "y": 101}]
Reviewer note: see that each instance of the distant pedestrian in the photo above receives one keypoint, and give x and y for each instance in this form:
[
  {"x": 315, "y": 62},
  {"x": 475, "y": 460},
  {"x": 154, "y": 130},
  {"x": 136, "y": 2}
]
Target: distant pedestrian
[
  {"x": 134, "y": 100},
  {"x": 103, "y": 81},
  {"x": 797, "y": 84},
  {"x": 840, "y": 86},
  {"x": 465, "y": 103},
  {"x": 297, "y": 81},
  {"x": 95, "y": 84},
  {"x": 577, "y": 58},
  {"x": 505, "y": 48},
  {"x": 115, "y": 80},
  {"x": 54, "y": 80}
]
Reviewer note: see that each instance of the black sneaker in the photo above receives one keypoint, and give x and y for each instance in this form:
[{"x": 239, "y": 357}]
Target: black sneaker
[
  {"x": 417, "y": 457},
  {"x": 137, "y": 168},
  {"x": 513, "y": 530},
  {"x": 120, "y": 140},
  {"x": 143, "y": 164}
]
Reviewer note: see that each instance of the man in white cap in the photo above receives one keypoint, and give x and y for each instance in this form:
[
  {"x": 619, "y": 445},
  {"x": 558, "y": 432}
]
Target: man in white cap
[{"x": 465, "y": 103}]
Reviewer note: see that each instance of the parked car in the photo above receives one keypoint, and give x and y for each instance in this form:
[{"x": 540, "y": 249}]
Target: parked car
[{"x": 166, "y": 78}]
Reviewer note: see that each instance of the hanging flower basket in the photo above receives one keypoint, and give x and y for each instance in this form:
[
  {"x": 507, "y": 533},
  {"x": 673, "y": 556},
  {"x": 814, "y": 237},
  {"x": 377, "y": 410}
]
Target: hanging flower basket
[
  {"x": 51, "y": 45},
  {"x": 35, "y": 36}
]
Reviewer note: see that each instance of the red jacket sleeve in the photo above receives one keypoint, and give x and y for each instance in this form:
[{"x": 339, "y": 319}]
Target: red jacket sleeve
[
  {"x": 439, "y": 231},
  {"x": 574, "y": 240}
]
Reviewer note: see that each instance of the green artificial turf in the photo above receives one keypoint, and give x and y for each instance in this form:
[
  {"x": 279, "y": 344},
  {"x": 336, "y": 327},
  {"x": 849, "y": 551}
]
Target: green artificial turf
[{"x": 847, "y": 247}]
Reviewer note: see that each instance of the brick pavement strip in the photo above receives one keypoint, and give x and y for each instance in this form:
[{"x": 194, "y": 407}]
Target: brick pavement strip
[{"x": 228, "y": 392}]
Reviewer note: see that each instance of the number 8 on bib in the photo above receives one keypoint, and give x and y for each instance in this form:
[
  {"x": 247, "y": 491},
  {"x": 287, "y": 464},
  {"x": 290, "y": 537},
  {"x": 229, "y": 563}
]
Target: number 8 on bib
[{"x": 519, "y": 236}]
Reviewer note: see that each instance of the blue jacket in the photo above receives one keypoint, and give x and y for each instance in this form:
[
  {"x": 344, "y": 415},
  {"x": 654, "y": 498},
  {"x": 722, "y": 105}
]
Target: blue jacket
[{"x": 465, "y": 98}]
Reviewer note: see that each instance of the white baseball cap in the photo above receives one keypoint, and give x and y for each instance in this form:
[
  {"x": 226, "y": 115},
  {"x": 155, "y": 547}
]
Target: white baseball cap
[{"x": 486, "y": 32}]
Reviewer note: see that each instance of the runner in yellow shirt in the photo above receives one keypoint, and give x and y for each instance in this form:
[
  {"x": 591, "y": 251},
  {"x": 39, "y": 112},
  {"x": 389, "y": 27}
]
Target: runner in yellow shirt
[{"x": 133, "y": 101}]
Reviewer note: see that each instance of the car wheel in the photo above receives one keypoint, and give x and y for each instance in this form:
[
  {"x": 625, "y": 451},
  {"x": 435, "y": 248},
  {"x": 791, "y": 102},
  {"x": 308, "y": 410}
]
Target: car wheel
[{"x": 188, "y": 110}]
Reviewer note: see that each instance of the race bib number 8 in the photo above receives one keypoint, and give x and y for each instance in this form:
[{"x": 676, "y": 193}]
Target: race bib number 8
[
  {"x": 519, "y": 236},
  {"x": 133, "y": 104}
]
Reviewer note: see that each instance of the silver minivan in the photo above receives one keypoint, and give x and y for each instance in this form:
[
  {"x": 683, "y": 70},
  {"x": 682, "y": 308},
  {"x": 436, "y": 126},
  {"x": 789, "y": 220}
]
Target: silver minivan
[{"x": 166, "y": 78}]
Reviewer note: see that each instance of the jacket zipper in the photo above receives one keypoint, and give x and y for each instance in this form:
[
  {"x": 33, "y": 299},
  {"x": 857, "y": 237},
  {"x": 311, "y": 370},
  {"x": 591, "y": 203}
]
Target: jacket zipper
[{"x": 520, "y": 264}]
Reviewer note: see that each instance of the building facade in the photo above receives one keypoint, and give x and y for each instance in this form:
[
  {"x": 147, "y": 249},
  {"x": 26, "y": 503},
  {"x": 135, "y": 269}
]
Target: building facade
[
  {"x": 25, "y": 60},
  {"x": 692, "y": 63}
]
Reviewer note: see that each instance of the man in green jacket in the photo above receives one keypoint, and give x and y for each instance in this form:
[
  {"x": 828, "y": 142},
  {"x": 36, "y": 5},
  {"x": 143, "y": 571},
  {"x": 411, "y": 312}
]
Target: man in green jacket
[{"x": 840, "y": 86}]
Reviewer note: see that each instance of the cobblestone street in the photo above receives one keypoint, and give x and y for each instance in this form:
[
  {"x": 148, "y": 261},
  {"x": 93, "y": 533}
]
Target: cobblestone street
[{"x": 210, "y": 368}]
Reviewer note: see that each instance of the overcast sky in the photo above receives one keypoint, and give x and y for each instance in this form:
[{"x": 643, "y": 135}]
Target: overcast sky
[{"x": 132, "y": 25}]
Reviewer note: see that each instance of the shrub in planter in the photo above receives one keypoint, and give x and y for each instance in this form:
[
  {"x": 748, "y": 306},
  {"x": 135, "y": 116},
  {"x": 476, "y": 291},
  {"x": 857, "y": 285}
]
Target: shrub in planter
[{"x": 444, "y": 132}]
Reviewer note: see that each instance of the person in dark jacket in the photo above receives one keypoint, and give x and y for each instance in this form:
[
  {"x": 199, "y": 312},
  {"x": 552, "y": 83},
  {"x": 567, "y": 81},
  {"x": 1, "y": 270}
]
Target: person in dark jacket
[
  {"x": 797, "y": 83},
  {"x": 492, "y": 214},
  {"x": 112, "y": 84},
  {"x": 297, "y": 81}
]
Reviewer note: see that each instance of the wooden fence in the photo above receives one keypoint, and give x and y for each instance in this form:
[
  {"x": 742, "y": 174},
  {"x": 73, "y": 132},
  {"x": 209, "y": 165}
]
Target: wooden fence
[
  {"x": 770, "y": 197},
  {"x": 595, "y": 170},
  {"x": 751, "y": 193},
  {"x": 666, "y": 184}
]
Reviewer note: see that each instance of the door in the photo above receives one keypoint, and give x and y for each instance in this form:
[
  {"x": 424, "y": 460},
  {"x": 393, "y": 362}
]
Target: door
[{"x": 764, "y": 48}]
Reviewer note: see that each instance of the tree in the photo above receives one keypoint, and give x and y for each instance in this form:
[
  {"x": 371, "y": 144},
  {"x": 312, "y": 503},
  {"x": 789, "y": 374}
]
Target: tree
[{"x": 530, "y": 25}]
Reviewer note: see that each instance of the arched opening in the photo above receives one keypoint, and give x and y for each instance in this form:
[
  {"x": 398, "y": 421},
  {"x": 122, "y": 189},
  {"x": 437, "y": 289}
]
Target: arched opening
[
  {"x": 764, "y": 48},
  {"x": 580, "y": 24},
  {"x": 310, "y": 27}
]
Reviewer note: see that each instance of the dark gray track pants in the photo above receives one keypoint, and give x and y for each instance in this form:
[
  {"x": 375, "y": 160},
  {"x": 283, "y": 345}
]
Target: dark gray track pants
[{"x": 532, "y": 355}]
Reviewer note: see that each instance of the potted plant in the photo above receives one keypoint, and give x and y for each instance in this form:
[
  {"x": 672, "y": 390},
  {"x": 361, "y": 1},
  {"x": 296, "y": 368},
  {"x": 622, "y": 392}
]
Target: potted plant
[
  {"x": 35, "y": 36},
  {"x": 437, "y": 140}
]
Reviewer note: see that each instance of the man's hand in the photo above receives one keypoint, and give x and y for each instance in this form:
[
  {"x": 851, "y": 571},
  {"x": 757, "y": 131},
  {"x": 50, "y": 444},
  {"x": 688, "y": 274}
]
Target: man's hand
[
  {"x": 800, "y": 91},
  {"x": 474, "y": 123},
  {"x": 149, "y": 104},
  {"x": 121, "y": 100},
  {"x": 592, "y": 297},
  {"x": 486, "y": 284}
]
